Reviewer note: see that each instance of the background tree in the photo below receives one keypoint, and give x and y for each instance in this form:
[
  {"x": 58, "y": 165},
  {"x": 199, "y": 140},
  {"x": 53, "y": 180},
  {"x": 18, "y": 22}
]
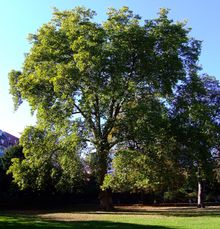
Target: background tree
[
  {"x": 195, "y": 125},
  {"x": 6, "y": 186},
  {"x": 147, "y": 163},
  {"x": 140, "y": 172},
  {"x": 90, "y": 74},
  {"x": 50, "y": 163}
]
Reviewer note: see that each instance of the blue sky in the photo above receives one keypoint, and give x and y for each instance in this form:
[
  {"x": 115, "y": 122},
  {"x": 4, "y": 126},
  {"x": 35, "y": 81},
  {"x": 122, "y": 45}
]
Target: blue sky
[{"x": 18, "y": 18}]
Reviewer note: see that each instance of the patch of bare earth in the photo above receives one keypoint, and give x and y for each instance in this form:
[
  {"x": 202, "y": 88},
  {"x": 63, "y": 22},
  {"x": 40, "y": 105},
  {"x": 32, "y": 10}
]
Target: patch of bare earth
[
  {"x": 129, "y": 211},
  {"x": 69, "y": 216},
  {"x": 91, "y": 217}
]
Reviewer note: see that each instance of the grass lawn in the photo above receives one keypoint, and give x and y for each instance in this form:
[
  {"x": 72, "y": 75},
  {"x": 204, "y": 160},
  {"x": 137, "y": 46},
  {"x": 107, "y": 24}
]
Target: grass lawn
[{"x": 123, "y": 217}]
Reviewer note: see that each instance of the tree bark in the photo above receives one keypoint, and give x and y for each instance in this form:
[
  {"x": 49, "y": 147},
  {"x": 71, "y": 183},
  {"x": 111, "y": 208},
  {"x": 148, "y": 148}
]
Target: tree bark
[
  {"x": 105, "y": 200},
  {"x": 200, "y": 203},
  {"x": 105, "y": 196},
  {"x": 200, "y": 193}
]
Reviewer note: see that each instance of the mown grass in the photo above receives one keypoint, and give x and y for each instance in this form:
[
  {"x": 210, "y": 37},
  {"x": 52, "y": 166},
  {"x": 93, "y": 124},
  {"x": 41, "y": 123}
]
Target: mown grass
[{"x": 132, "y": 219}]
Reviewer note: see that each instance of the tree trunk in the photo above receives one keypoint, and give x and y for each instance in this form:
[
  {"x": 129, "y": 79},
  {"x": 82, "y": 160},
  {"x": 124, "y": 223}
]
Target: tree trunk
[
  {"x": 105, "y": 200},
  {"x": 200, "y": 194},
  {"x": 105, "y": 196},
  {"x": 200, "y": 203}
]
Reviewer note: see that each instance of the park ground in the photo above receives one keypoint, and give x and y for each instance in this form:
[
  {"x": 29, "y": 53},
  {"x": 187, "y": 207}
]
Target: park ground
[{"x": 130, "y": 217}]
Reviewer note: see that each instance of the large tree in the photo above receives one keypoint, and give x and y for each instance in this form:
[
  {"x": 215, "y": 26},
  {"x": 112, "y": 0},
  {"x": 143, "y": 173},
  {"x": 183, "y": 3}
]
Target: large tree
[{"x": 92, "y": 74}]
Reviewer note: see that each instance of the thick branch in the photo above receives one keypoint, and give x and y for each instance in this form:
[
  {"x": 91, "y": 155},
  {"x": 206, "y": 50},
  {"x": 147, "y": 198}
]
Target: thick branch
[
  {"x": 111, "y": 108},
  {"x": 114, "y": 111},
  {"x": 97, "y": 114},
  {"x": 88, "y": 119}
]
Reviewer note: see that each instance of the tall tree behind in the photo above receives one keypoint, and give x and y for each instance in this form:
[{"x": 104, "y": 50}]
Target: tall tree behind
[
  {"x": 196, "y": 126},
  {"x": 90, "y": 74}
]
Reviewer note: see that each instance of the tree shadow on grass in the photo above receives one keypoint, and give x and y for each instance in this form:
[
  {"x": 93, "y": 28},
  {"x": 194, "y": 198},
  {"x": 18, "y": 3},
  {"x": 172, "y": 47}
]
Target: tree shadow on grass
[
  {"x": 170, "y": 212},
  {"x": 187, "y": 214},
  {"x": 174, "y": 212},
  {"x": 165, "y": 213},
  {"x": 25, "y": 223}
]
